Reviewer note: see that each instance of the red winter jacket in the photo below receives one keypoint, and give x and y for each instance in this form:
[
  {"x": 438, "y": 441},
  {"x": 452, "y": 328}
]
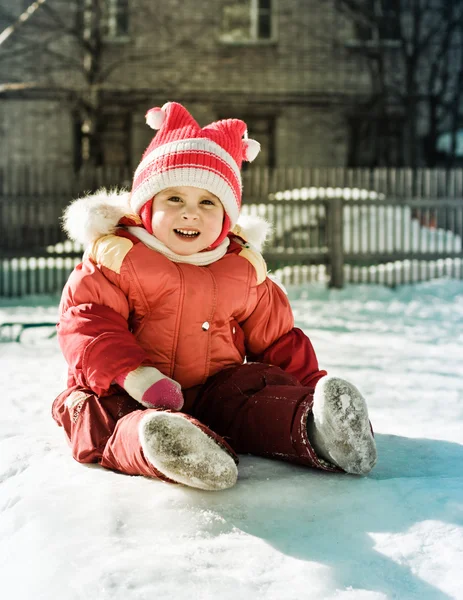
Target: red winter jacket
[{"x": 127, "y": 305}]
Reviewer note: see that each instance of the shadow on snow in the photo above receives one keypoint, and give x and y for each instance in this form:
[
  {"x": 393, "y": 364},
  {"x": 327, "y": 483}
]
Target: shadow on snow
[{"x": 329, "y": 518}]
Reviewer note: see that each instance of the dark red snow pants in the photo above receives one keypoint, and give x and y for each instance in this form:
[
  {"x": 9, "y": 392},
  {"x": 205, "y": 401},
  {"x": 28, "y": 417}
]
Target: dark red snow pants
[{"x": 249, "y": 409}]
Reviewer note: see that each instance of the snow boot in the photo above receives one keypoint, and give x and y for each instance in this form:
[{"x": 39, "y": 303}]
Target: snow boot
[
  {"x": 340, "y": 429},
  {"x": 184, "y": 453}
]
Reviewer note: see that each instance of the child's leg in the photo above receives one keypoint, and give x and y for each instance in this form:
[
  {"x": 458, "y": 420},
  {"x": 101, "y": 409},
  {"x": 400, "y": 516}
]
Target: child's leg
[
  {"x": 187, "y": 451},
  {"x": 262, "y": 410},
  {"x": 117, "y": 433},
  {"x": 259, "y": 409},
  {"x": 95, "y": 427}
]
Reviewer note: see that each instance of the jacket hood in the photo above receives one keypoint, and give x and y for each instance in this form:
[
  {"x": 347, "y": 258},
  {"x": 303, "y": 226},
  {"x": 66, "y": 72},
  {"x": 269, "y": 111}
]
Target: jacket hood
[
  {"x": 88, "y": 218},
  {"x": 91, "y": 217}
]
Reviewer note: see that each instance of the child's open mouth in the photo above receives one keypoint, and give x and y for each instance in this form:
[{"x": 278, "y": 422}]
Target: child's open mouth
[{"x": 187, "y": 234}]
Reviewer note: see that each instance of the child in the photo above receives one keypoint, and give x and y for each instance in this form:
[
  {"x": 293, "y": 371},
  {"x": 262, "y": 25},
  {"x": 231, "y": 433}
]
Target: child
[{"x": 181, "y": 351}]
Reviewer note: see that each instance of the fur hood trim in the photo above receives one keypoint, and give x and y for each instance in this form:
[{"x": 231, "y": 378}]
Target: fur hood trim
[
  {"x": 88, "y": 218},
  {"x": 91, "y": 217}
]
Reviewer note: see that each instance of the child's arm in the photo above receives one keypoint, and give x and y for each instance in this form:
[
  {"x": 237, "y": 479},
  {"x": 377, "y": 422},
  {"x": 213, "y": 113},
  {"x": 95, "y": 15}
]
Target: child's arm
[
  {"x": 272, "y": 338},
  {"x": 98, "y": 346},
  {"x": 151, "y": 388},
  {"x": 93, "y": 330}
]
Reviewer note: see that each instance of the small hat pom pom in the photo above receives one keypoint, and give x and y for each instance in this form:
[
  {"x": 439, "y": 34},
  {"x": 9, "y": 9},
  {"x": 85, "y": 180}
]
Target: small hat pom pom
[
  {"x": 155, "y": 118},
  {"x": 251, "y": 149}
]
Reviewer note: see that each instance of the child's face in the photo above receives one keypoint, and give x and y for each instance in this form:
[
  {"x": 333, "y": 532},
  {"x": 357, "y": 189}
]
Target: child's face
[{"x": 187, "y": 219}]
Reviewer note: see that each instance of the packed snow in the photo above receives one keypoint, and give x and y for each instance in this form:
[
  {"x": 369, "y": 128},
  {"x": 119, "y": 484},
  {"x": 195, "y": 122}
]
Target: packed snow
[{"x": 284, "y": 532}]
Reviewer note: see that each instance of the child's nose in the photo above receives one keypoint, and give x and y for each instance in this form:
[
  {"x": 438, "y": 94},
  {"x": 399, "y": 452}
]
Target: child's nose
[{"x": 190, "y": 213}]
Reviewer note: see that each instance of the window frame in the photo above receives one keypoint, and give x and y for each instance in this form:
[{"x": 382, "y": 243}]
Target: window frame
[
  {"x": 253, "y": 39},
  {"x": 111, "y": 14},
  {"x": 375, "y": 38}
]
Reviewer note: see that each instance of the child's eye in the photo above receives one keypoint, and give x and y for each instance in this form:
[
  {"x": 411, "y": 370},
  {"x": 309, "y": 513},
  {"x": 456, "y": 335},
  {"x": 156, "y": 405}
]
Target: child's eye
[
  {"x": 174, "y": 199},
  {"x": 208, "y": 202}
]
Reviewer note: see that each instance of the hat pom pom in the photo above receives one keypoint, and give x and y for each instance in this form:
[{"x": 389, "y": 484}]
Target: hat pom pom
[
  {"x": 155, "y": 118},
  {"x": 251, "y": 149}
]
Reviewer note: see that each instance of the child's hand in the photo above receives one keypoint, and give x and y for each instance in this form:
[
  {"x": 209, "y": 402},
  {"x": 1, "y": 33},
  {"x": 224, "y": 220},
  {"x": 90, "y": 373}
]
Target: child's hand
[{"x": 151, "y": 388}]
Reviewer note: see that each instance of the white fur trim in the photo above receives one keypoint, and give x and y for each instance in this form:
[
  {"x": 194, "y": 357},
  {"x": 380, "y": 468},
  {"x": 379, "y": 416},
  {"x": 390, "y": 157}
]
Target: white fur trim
[
  {"x": 91, "y": 217},
  {"x": 253, "y": 229}
]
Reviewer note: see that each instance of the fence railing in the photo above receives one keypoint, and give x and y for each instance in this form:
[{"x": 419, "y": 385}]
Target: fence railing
[
  {"x": 341, "y": 225},
  {"x": 345, "y": 235},
  {"x": 404, "y": 183}
]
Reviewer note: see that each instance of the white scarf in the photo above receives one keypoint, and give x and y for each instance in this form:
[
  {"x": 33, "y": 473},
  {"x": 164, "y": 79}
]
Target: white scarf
[{"x": 200, "y": 259}]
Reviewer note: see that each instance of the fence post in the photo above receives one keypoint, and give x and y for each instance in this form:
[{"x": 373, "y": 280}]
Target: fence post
[{"x": 334, "y": 213}]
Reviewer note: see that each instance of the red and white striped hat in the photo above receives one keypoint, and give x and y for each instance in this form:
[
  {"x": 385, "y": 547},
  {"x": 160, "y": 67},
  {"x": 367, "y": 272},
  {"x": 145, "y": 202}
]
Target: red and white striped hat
[{"x": 183, "y": 153}]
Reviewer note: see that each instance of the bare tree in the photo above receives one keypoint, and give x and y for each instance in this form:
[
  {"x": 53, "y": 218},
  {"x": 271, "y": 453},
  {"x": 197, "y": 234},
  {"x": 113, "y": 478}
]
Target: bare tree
[
  {"x": 414, "y": 49},
  {"x": 65, "y": 46},
  {"x": 67, "y": 51},
  {"x": 23, "y": 18}
]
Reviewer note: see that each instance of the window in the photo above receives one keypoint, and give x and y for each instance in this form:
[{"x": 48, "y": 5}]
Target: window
[
  {"x": 383, "y": 25},
  {"x": 248, "y": 21},
  {"x": 116, "y": 19}
]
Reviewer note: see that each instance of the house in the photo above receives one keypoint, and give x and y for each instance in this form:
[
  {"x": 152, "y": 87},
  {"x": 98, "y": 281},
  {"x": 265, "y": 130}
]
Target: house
[{"x": 273, "y": 63}]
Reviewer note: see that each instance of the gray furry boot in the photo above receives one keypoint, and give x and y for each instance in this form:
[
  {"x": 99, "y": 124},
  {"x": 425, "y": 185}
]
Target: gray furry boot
[
  {"x": 340, "y": 428},
  {"x": 184, "y": 453}
]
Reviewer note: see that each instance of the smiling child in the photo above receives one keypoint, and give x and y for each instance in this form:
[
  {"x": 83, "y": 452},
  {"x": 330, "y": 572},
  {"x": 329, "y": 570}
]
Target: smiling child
[{"x": 182, "y": 353}]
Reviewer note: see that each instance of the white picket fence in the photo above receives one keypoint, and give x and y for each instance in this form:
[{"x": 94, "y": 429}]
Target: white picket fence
[{"x": 386, "y": 226}]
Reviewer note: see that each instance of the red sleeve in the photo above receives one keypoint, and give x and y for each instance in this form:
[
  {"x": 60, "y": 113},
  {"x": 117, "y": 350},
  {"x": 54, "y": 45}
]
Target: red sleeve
[
  {"x": 271, "y": 317},
  {"x": 272, "y": 338},
  {"x": 93, "y": 331},
  {"x": 294, "y": 353}
]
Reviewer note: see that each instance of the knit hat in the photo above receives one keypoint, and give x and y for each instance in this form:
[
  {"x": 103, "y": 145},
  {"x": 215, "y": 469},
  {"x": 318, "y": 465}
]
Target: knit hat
[{"x": 184, "y": 154}]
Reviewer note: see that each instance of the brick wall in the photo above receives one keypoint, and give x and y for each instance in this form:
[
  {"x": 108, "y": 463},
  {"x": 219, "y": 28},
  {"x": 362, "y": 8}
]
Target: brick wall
[
  {"x": 175, "y": 50},
  {"x": 33, "y": 131},
  {"x": 184, "y": 49}
]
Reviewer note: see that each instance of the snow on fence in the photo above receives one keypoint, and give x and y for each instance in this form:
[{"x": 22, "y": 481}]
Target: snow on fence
[
  {"x": 387, "y": 226},
  {"x": 351, "y": 235}
]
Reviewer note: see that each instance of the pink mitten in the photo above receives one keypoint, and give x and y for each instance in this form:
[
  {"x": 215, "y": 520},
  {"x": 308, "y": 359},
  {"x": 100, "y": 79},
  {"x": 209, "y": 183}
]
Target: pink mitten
[{"x": 151, "y": 388}]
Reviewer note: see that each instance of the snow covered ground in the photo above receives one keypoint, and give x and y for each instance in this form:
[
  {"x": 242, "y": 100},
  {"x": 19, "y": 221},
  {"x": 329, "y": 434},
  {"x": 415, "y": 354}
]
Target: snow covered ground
[{"x": 284, "y": 532}]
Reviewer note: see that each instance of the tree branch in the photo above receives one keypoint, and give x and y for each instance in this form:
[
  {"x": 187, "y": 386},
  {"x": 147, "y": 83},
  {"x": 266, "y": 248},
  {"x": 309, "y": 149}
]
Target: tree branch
[{"x": 23, "y": 18}]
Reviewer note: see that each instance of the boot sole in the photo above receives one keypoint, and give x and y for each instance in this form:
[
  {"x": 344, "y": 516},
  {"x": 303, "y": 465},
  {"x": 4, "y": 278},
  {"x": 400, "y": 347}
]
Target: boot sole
[
  {"x": 184, "y": 453},
  {"x": 341, "y": 416}
]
